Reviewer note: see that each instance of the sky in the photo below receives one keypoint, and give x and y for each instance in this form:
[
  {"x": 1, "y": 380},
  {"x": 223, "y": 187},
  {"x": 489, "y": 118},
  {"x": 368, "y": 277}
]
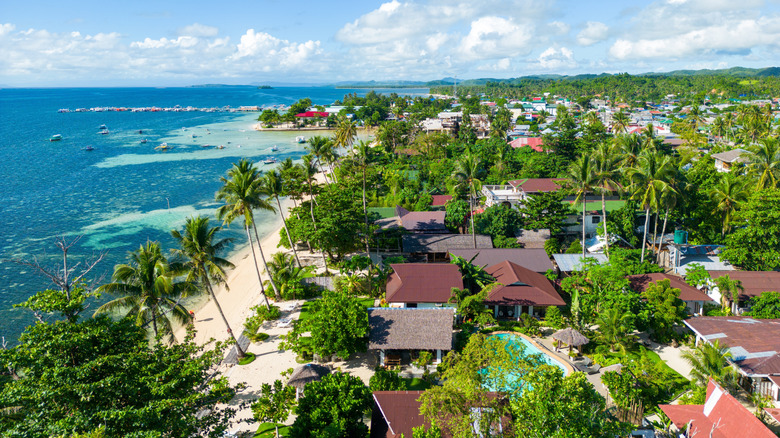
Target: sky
[{"x": 170, "y": 43}]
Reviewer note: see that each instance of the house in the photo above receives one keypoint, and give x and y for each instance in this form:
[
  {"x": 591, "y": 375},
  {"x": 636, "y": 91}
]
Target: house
[
  {"x": 721, "y": 416},
  {"x": 725, "y": 160},
  {"x": 694, "y": 298},
  {"x": 533, "y": 238},
  {"x": 535, "y": 259},
  {"x": 593, "y": 215},
  {"x": 422, "y": 285},
  {"x": 313, "y": 115},
  {"x": 395, "y": 414},
  {"x": 754, "y": 283},
  {"x": 395, "y": 331},
  {"x": 520, "y": 290},
  {"x": 567, "y": 263},
  {"x": 438, "y": 202},
  {"x": 754, "y": 345},
  {"x": 535, "y": 143},
  {"x": 517, "y": 191},
  {"x": 682, "y": 256},
  {"x": 428, "y": 222},
  {"x": 434, "y": 247}
]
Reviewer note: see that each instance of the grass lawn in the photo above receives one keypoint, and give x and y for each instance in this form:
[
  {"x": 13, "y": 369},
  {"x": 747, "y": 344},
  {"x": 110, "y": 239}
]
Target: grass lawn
[
  {"x": 306, "y": 309},
  {"x": 267, "y": 430},
  {"x": 416, "y": 384},
  {"x": 246, "y": 360}
]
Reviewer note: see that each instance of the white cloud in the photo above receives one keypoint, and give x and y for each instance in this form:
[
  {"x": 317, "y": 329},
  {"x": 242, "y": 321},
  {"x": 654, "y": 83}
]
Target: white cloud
[
  {"x": 198, "y": 30},
  {"x": 556, "y": 59},
  {"x": 6, "y": 28},
  {"x": 502, "y": 65},
  {"x": 594, "y": 32},
  {"x": 493, "y": 37}
]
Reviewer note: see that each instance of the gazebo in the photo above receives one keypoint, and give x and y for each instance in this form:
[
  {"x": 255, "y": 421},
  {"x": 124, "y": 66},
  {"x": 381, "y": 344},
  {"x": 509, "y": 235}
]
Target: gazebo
[
  {"x": 311, "y": 372},
  {"x": 570, "y": 337}
]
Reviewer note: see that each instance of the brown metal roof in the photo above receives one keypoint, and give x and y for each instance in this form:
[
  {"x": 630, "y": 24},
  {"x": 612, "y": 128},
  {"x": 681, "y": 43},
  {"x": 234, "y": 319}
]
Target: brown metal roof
[
  {"x": 521, "y": 286},
  {"x": 424, "y": 221},
  {"x": 721, "y": 416},
  {"x": 535, "y": 259},
  {"x": 754, "y": 282},
  {"x": 687, "y": 292},
  {"x": 400, "y": 411},
  {"x": 754, "y": 343},
  {"x": 535, "y": 185},
  {"x": 442, "y": 243},
  {"x": 422, "y": 282},
  {"x": 410, "y": 329},
  {"x": 440, "y": 200}
]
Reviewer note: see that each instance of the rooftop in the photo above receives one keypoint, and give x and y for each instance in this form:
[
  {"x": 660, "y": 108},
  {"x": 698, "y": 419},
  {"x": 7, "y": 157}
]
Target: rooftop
[
  {"x": 422, "y": 282},
  {"x": 400, "y": 411},
  {"x": 442, "y": 243},
  {"x": 536, "y": 185},
  {"x": 400, "y": 329},
  {"x": 731, "y": 156},
  {"x": 535, "y": 259},
  {"x": 687, "y": 292},
  {"x": 753, "y": 282},
  {"x": 521, "y": 286},
  {"x": 573, "y": 262}
]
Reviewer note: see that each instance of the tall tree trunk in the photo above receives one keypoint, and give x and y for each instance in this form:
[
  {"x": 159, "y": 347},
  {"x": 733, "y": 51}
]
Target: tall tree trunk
[
  {"x": 655, "y": 234},
  {"x": 154, "y": 320},
  {"x": 287, "y": 230},
  {"x": 265, "y": 265},
  {"x": 604, "y": 219},
  {"x": 239, "y": 350},
  {"x": 314, "y": 223},
  {"x": 473, "y": 228},
  {"x": 324, "y": 172},
  {"x": 644, "y": 236},
  {"x": 584, "y": 201},
  {"x": 257, "y": 269},
  {"x": 663, "y": 231},
  {"x": 365, "y": 213}
]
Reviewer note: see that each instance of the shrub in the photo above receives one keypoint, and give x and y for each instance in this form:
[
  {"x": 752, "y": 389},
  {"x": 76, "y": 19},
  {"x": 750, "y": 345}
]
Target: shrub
[
  {"x": 254, "y": 322},
  {"x": 552, "y": 246},
  {"x": 528, "y": 325},
  {"x": 574, "y": 248},
  {"x": 386, "y": 380},
  {"x": 553, "y": 317}
]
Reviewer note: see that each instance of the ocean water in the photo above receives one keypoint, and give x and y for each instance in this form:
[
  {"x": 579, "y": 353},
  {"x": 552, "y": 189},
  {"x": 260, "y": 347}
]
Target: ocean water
[{"x": 123, "y": 192}]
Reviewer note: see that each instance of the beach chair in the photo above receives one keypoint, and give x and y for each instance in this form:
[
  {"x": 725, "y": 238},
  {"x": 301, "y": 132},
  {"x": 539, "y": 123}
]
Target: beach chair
[{"x": 284, "y": 323}]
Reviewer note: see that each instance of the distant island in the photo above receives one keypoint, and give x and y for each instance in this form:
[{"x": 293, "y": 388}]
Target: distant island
[{"x": 265, "y": 87}]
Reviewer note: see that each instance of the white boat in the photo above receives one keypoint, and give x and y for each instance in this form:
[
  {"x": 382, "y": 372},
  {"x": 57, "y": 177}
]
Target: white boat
[
  {"x": 102, "y": 127},
  {"x": 104, "y": 132},
  {"x": 300, "y": 139},
  {"x": 163, "y": 147},
  {"x": 274, "y": 148},
  {"x": 89, "y": 148},
  {"x": 269, "y": 160},
  {"x": 144, "y": 141},
  {"x": 56, "y": 137}
]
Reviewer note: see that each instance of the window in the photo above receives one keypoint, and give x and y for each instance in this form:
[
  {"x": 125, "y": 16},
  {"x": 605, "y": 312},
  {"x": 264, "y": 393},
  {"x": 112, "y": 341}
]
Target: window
[{"x": 596, "y": 219}]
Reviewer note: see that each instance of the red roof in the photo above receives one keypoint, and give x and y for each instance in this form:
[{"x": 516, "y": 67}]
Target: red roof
[
  {"x": 535, "y": 143},
  {"x": 687, "y": 293},
  {"x": 721, "y": 416},
  {"x": 439, "y": 200},
  {"x": 400, "y": 411},
  {"x": 753, "y": 282},
  {"x": 521, "y": 286},
  {"x": 422, "y": 282},
  {"x": 536, "y": 185},
  {"x": 312, "y": 114}
]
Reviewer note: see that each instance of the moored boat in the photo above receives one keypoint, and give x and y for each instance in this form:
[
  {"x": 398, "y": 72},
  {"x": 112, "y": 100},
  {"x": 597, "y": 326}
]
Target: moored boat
[
  {"x": 89, "y": 148},
  {"x": 274, "y": 148},
  {"x": 300, "y": 139},
  {"x": 269, "y": 160},
  {"x": 163, "y": 147},
  {"x": 144, "y": 141},
  {"x": 56, "y": 137}
]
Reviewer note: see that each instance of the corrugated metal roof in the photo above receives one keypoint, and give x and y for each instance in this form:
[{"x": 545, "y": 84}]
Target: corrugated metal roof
[{"x": 573, "y": 262}]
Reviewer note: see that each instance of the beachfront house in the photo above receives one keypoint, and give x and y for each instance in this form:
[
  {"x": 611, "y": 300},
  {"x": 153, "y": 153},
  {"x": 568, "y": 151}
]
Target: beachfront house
[
  {"x": 694, "y": 298},
  {"x": 420, "y": 222},
  {"x": 721, "y": 416},
  {"x": 520, "y": 290},
  {"x": 398, "y": 335},
  {"x": 422, "y": 285}
]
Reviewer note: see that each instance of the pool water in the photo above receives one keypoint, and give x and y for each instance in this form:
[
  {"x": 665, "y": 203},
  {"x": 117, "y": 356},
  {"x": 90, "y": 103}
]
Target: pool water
[{"x": 531, "y": 349}]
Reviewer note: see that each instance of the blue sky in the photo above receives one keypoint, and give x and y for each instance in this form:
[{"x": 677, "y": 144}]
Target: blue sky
[{"x": 164, "y": 43}]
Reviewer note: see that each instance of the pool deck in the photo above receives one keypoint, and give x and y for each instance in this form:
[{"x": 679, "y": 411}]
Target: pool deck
[{"x": 546, "y": 351}]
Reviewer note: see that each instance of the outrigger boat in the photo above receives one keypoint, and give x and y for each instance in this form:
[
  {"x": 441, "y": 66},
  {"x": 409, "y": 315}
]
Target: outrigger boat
[
  {"x": 274, "y": 148},
  {"x": 300, "y": 139},
  {"x": 163, "y": 147},
  {"x": 269, "y": 160}
]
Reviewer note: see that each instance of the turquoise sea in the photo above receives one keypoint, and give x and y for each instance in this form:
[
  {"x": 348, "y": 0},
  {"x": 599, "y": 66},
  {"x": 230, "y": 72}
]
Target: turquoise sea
[{"x": 123, "y": 192}]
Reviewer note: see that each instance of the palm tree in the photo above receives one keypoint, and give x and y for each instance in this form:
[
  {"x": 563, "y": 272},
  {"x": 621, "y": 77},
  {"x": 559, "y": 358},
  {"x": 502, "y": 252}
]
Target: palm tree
[
  {"x": 198, "y": 251},
  {"x": 614, "y": 328},
  {"x": 629, "y": 146},
  {"x": 346, "y": 131},
  {"x": 728, "y": 193},
  {"x": 620, "y": 121},
  {"x": 710, "y": 360},
  {"x": 274, "y": 188},
  {"x": 729, "y": 292},
  {"x": 592, "y": 117},
  {"x": 465, "y": 174},
  {"x": 150, "y": 290},
  {"x": 284, "y": 272},
  {"x": 309, "y": 172},
  {"x": 242, "y": 193},
  {"x": 718, "y": 127},
  {"x": 580, "y": 177},
  {"x": 649, "y": 181},
  {"x": 606, "y": 168},
  {"x": 362, "y": 160},
  {"x": 765, "y": 163},
  {"x": 317, "y": 146}
]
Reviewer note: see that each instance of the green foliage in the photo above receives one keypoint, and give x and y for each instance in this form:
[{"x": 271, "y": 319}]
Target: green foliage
[
  {"x": 386, "y": 380},
  {"x": 709, "y": 360},
  {"x": 552, "y": 246},
  {"x": 457, "y": 211},
  {"x": 77, "y": 377},
  {"x": 247, "y": 359},
  {"x": 338, "y": 324},
  {"x": 546, "y": 210},
  {"x": 289, "y": 277},
  {"x": 755, "y": 245},
  {"x": 766, "y": 306},
  {"x": 422, "y": 432},
  {"x": 666, "y": 308},
  {"x": 574, "y": 248},
  {"x": 274, "y": 403},
  {"x": 622, "y": 387},
  {"x": 474, "y": 277},
  {"x": 69, "y": 304},
  {"x": 333, "y": 407},
  {"x": 261, "y": 313},
  {"x": 553, "y": 317},
  {"x": 696, "y": 275},
  {"x": 562, "y": 407},
  {"x": 498, "y": 221}
]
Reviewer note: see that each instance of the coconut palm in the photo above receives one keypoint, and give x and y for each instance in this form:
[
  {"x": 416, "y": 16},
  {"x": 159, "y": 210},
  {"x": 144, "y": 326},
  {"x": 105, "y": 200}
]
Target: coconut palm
[
  {"x": 629, "y": 146},
  {"x": 711, "y": 360},
  {"x": 620, "y": 122},
  {"x": 465, "y": 174},
  {"x": 317, "y": 146},
  {"x": 719, "y": 127},
  {"x": 765, "y": 163},
  {"x": 580, "y": 177},
  {"x": 729, "y": 193},
  {"x": 614, "y": 328},
  {"x": 729, "y": 292},
  {"x": 606, "y": 171},
  {"x": 592, "y": 117},
  {"x": 649, "y": 181},
  {"x": 151, "y": 291},
  {"x": 346, "y": 131},
  {"x": 242, "y": 193},
  {"x": 308, "y": 171},
  {"x": 362, "y": 160},
  {"x": 198, "y": 252},
  {"x": 281, "y": 267},
  {"x": 274, "y": 188}
]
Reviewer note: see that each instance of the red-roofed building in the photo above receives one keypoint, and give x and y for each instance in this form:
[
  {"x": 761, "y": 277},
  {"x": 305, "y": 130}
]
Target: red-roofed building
[
  {"x": 395, "y": 414},
  {"x": 721, "y": 416},
  {"x": 535, "y": 143},
  {"x": 520, "y": 290},
  {"x": 694, "y": 298},
  {"x": 312, "y": 115},
  {"x": 422, "y": 284},
  {"x": 440, "y": 200}
]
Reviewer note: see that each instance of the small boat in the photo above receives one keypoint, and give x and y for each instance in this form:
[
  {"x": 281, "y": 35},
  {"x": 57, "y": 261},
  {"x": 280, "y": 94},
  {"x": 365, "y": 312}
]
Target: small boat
[
  {"x": 144, "y": 141},
  {"x": 163, "y": 147},
  {"x": 300, "y": 139},
  {"x": 222, "y": 146},
  {"x": 89, "y": 148},
  {"x": 205, "y": 145},
  {"x": 140, "y": 131},
  {"x": 269, "y": 160},
  {"x": 104, "y": 132},
  {"x": 56, "y": 137},
  {"x": 193, "y": 135},
  {"x": 274, "y": 148},
  {"x": 102, "y": 127}
]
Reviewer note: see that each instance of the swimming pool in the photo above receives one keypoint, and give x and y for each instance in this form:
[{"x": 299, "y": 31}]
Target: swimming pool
[{"x": 531, "y": 348}]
